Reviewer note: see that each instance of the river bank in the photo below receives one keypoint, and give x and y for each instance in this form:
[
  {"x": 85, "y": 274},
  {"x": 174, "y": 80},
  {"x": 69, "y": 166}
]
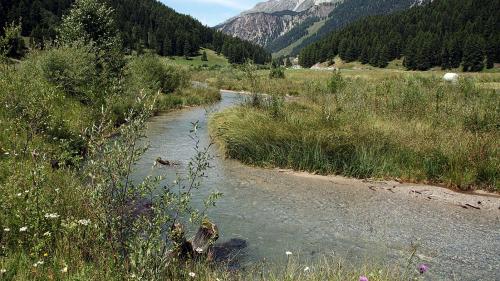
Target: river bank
[{"x": 311, "y": 216}]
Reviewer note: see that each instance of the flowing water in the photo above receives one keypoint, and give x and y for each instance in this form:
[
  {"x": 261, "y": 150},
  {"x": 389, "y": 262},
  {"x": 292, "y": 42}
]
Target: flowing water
[{"x": 313, "y": 217}]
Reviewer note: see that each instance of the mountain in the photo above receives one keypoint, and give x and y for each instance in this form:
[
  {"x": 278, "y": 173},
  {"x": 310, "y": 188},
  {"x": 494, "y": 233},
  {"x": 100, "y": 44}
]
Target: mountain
[
  {"x": 442, "y": 33},
  {"x": 286, "y": 5},
  {"x": 264, "y": 27},
  {"x": 284, "y": 27},
  {"x": 144, "y": 24}
]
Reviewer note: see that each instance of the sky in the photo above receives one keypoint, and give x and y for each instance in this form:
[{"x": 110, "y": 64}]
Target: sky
[{"x": 211, "y": 12}]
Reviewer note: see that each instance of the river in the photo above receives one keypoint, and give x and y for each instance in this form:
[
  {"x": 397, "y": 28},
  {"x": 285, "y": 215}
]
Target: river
[{"x": 313, "y": 217}]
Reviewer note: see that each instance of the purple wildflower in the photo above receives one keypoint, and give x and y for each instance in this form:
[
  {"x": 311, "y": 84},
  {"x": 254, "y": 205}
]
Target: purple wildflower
[
  {"x": 423, "y": 268},
  {"x": 363, "y": 278}
]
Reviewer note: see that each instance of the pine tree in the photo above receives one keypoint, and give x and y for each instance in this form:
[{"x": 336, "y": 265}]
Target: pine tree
[
  {"x": 455, "y": 52},
  {"x": 490, "y": 52},
  {"x": 187, "y": 49},
  {"x": 365, "y": 55},
  {"x": 445, "y": 58},
  {"x": 383, "y": 57},
  {"x": 473, "y": 54},
  {"x": 204, "y": 56}
]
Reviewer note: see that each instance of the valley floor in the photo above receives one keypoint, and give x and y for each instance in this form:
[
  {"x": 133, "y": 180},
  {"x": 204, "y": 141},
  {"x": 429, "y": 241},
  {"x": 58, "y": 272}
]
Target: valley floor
[{"x": 367, "y": 124}]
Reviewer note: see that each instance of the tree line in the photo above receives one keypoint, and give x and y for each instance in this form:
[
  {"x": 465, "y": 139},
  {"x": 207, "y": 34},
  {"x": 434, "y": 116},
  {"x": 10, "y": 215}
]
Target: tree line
[
  {"x": 443, "y": 33},
  {"x": 350, "y": 11},
  {"x": 143, "y": 24}
]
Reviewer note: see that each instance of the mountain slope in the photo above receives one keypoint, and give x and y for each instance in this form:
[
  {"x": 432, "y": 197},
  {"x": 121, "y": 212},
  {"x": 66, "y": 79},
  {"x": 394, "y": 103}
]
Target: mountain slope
[
  {"x": 143, "y": 24},
  {"x": 263, "y": 27},
  {"x": 352, "y": 10},
  {"x": 446, "y": 33},
  {"x": 279, "y": 24}
]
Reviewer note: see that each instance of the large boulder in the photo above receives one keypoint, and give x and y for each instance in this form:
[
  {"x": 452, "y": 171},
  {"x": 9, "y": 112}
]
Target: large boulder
[{"x": 451, "y": 77}]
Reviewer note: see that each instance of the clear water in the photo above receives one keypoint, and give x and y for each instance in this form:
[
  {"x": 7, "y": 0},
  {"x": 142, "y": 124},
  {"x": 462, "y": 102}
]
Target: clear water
[{"x": 277, "y": 212}]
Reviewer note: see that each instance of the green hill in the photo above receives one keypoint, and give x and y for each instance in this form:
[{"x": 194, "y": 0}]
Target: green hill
[
  {"x": 144, "y": 24},
  {"x": 445, "y": 33}
]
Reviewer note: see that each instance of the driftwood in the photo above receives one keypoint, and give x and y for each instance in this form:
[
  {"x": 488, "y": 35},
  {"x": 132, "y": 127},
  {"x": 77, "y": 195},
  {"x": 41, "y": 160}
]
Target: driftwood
[
  {"x": 203, "y": 245},
  {"x": 162, "y": 162},
  {"x": 472, "y": 206},
  {"x": 199, "y": 246}
]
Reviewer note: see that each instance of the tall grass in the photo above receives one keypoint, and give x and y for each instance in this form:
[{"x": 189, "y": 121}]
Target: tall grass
[
  {"x": 414, "y": 128},
  {"x": 62, "y": 179}
]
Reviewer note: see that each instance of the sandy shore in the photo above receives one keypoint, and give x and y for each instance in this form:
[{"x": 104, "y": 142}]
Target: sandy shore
[{"x": 478, "y": 200}]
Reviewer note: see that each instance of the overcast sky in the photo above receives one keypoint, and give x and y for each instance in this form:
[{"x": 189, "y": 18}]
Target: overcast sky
[{"x": 211, "y": 12}]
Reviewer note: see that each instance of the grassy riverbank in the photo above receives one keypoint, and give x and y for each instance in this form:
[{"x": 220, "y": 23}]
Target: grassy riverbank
[
  {"x": 372, "y": 124},
  {"x": 69, "y": 124}
]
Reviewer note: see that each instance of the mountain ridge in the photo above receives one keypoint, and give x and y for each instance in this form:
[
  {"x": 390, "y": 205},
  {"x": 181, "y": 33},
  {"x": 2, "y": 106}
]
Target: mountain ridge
[{"x": 273, "y": 24}]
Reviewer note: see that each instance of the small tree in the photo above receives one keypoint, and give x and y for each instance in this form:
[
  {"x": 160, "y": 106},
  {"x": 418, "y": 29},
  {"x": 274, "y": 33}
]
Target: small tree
[
  {"x": 204, "y": 56},
  {"x": 12, "y": 44},
  {"x": 336, "y": 83},
  {"x": 277, "y": 72},
  {"x": 91, "y": 22}
]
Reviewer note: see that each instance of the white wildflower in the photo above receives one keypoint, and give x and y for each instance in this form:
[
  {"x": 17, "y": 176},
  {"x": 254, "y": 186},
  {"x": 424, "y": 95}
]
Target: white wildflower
[
  {"x": 199, "y": 250},
  {"x": 19, "y": 194},
  {"x": 51, "y": 216},
  {"x": 84, "y": 222},
  {"x": 3, "y": 270},
  {"x": 6, "y": 229},
  {"x": 46, "y": 233},
  {"x": 288, "y": 253},
  {"x": 6, "y": 153},
  {"x": 23, "y": 229},
  {"x": 306, "y": 269},
  {"x": 192, "y": 274},
  {"x": 64, "y": 270},
  {"x": 57, "y": 190}
]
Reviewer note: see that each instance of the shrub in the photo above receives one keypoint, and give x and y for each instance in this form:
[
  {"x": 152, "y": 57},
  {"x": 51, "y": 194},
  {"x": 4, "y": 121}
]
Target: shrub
[
  {"x": 71, "y": 68},
  {"x": 12, "y": 44},
  {"x": 148, "y": 72},
  {"x": 336, "y": 83},
  {"x": 277, "y": 73}
]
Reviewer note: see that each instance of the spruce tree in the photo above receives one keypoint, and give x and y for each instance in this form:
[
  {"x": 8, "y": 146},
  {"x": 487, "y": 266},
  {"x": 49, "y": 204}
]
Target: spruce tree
[
  {"x": 490, "y": 52},
  {"x": 473, "y": 59},
  {"x": 187, "y": 49},
  {"x": 383, "y": 57},
  {"x": 445, "y": 58},
  {"x": 204, "y": 56},
  {"x": 365, "y": 55}
]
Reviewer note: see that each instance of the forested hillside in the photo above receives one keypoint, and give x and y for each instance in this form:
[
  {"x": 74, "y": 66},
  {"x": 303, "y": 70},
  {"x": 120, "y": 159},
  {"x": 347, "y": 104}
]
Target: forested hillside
[
  {"x": 446, "y": 33},
  {"x": 345, "y": 13},
  {"x": 144, "y": 24}
]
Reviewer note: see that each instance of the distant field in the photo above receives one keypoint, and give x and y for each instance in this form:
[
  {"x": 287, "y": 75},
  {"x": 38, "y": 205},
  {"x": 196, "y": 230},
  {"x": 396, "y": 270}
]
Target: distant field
[
  {"x": 381, "y": 123},
  {"x": 213, "y": 59}
]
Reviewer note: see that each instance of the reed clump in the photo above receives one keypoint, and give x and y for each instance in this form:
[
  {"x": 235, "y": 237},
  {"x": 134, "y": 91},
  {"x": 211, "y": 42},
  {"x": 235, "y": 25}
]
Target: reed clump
[{"x": 411, "y": 127}]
